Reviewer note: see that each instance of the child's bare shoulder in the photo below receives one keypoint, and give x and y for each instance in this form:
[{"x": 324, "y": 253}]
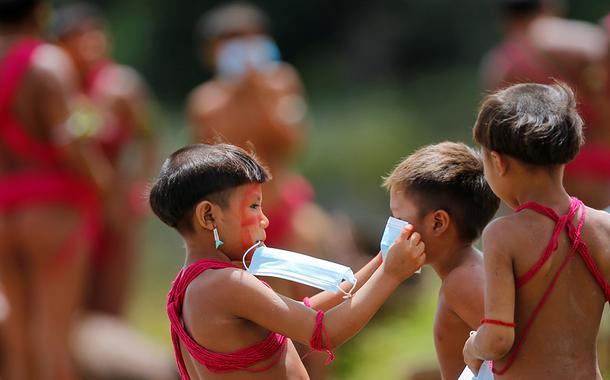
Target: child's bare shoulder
[
  {"x": 597, "y": 236},
  {"x": 218, "y": 284},
  {"x": 505, "y": 232},
  {"x": 464, "y": 285},
  {"x": 599, "y": 220}
]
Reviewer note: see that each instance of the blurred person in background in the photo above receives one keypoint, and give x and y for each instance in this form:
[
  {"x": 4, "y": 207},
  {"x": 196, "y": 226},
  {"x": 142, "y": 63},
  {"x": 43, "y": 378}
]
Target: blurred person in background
[
  {"x": 255, "y": 99},
  {"x": 542, "y": 47},
  {"x": 50, "y": 178},
  {"x": 121, "y": 98},
  {"x": 105, "y": 346}
]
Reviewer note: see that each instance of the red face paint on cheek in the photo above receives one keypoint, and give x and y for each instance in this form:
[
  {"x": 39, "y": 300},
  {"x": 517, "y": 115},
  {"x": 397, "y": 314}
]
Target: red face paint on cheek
[{"x": 249, "y": 223}]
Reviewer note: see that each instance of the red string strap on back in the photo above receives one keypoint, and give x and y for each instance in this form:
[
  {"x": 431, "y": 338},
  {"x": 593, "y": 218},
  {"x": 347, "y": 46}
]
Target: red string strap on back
[
  {"x": 218, "y": 362},
  {"x": 574, "y": 233}
]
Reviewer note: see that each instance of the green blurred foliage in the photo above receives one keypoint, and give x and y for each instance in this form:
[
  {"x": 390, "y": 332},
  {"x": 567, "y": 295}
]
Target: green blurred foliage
[{"x": 373, "y": 40}]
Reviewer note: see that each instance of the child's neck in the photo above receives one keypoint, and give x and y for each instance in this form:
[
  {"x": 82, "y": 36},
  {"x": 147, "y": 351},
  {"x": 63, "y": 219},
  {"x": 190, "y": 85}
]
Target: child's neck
[
  {"x": 199, "y": 249},
  {"x": 543, "y": 187},
  {"x": 451, "y": 257}
]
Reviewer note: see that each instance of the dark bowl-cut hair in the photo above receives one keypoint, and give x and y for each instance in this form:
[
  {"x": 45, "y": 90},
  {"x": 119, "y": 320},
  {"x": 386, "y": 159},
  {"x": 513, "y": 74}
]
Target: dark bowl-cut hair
[
  {"x": 448, "y": 176},
  {"x": 201, "y": 172},
  {"x": 70, "y": 18},
  {"x": 516, "y": 8},
  {"x": 14, "y": 11},
  {"x": 537, "y": 124}
]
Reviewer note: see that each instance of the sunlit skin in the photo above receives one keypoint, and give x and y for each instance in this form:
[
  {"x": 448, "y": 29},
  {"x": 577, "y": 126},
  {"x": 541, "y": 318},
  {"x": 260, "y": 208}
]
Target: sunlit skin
[
  {"x": 562, "y": 342},
  {"x": 460, "y": 268},
  {"x": 228, "y": 309}
]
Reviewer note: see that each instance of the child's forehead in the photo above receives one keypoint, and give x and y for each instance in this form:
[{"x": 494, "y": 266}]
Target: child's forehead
[
  {"x": 248, "y": 191},
  {"x": 400, "y": 198}
]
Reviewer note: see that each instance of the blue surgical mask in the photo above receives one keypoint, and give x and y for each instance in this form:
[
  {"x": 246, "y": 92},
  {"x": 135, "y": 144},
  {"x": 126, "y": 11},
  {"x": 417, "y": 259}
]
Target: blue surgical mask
[
  {"x": 292, "y": 266},
  {"x": 484, "y": 373},
  {"x": 392, "y": 229},
  {"x": 259, "y": 53}
]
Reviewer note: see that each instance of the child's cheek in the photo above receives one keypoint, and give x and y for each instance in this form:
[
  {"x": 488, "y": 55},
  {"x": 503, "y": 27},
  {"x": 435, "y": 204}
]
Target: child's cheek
[
  {"x": 247, "y": 220},
  {"x": 251, "y": 227},
  {"x": 247, "y": 235}
]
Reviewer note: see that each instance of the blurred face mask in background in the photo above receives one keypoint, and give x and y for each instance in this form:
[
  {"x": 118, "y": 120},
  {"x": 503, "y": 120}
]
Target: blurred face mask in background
[
  {"x": 292, "y": 266},
  {"x": 237, "y": 54}
]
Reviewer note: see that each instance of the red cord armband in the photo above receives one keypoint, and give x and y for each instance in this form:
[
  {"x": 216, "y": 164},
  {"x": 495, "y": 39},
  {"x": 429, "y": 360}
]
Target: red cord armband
[
  {"x": 498, "y": 322},
  {"x": 317, "y": 339},
  {"x": 307, "y": 302}
]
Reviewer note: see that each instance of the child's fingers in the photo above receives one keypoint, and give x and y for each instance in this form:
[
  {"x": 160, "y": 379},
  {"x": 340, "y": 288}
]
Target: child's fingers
[
  {"x": 420, "y": 248},
  {"x": 406, "y": 232},
  {"x": 415, "y": 238},
  {"x": 419, "y": 252}
]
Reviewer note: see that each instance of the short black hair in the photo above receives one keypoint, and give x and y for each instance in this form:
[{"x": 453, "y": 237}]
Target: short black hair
[
  {"x": 448, "y": 176},
  {"x": 535, "y": 123},
  {"x": 14, "y": 11},
  {"x": 71, "y": 18},
  {"x": 227, "y": 18},
  {"x": 517, "y": 8},
  {"x": 201, "y": 172}
]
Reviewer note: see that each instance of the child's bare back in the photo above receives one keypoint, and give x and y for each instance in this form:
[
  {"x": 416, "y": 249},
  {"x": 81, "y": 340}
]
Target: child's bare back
[
  {"x": 574, "y": 307},
  {"x": 546, "y": 265}
]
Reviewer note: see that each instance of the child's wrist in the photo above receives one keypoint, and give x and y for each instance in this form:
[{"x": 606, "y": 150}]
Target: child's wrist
[
  {"x": 392, "y": 277},
  {"x": 378, "y": 259}
]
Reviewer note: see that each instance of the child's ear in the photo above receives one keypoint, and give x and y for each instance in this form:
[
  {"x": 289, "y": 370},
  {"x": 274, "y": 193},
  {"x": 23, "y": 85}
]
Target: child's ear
[
  {"x": 500, "y": 162},
  {"x": 440, "y": 220},
  {"x": 204, "y": 215}
]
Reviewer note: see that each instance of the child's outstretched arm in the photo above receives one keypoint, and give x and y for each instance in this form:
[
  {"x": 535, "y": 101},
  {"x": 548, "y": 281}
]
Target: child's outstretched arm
[
  {"x": 326, "y": 300},
  {"x": 495, "y": 336},
  {"x": 255, "y": 302}
]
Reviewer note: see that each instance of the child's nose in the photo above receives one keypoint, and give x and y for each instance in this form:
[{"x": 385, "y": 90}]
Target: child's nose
[{"x": 264, "y": 221}]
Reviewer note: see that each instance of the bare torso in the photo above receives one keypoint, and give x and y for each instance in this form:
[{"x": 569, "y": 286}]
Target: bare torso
[
  {"x": 459, "y": 310},
  {"x": 209, "y": 322},
  {"x": 561, "y": 343}
]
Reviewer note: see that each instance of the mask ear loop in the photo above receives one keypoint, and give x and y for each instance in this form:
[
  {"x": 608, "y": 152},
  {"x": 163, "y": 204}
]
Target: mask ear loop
[
  {"x": 256, "y": 245},
  {"x": 347, "y": 295}
]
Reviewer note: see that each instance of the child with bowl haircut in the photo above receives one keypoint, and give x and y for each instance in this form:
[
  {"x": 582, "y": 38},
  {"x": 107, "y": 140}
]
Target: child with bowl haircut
[
  {"x": 547, "y": 265},
  {"x": 225, "y": 323},
  {"x": 441, "y": 190}
]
